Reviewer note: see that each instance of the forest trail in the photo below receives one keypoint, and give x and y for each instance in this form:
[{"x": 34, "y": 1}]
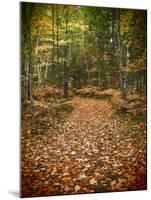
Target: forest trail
[{"x": 91, "y": 151}]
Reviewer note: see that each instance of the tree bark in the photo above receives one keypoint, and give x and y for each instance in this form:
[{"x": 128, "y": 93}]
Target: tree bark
[
  {"x": 57, "y": 23},
  {"x": 39, "y": 75},
  {"x": 36, "y": 53},
  {"x": 46, "y": 71},
  {"x": 26, "y": 80},
  {"x": 87, "y": 67},
  {"x": 113, "y": 74},
  {"x": 99, "y": 78},
  {"x": 66, "y": 70},
  {"x": 53, "y": 35},
  {"x": 120, "y": 55},
  {"x": 28, "y": 17},
  {"x": 125, "y": 74}
]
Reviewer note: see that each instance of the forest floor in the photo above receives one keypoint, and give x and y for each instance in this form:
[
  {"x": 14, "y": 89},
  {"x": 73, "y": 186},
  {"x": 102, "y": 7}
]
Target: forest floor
[{"x": 90, "y": 149}]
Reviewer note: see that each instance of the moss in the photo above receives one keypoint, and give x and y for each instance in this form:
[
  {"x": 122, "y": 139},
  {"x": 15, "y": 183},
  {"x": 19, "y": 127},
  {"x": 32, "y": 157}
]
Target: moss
[{"x": 135, "y": 119}]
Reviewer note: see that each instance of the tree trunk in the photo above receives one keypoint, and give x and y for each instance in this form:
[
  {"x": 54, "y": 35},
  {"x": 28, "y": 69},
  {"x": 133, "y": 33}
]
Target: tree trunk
[
  {"x": 120, "y": 55},
  {"x": 113, "y": 74},
  {"x": 39, "y": 75},
  {"x": 66, "y": 70},
  {"x": 53, "y": 35},
  {"x": 99, "y": 78},
  {"x": 30, "y": 69},
  {"x": 125, "y": 74},
  {"x": 65, "y": 80},
  {"x": 46, "y": 71},
  {"x": 87, "y": 67},
  {"x": 28, "y": 11},
  {"x": 57, "y": 23},
  {"x": 36, "y": 53},
  {"x": 26, "y": 80},
  {"x": 30, "y": 79}
]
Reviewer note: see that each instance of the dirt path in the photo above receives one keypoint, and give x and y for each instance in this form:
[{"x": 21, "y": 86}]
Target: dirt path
[{"x": 90, "y": 152}]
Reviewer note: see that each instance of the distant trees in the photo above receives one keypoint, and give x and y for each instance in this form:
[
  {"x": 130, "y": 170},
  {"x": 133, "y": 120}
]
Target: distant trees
[
  {"x": 113, "y": 37},
  {"x": 83, "y": 46}
]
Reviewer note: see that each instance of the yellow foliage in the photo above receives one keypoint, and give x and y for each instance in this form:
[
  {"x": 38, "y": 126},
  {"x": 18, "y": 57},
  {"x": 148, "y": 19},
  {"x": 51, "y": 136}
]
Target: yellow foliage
[{"x": 125, "y": 21}]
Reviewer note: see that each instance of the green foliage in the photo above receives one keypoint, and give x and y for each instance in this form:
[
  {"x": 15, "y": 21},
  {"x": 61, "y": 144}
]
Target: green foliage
[{"x": 85, "y": 39}]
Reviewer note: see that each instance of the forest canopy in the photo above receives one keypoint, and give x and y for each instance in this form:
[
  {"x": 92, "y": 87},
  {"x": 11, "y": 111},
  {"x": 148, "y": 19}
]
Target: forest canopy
[{"x": 75, "y": 47}]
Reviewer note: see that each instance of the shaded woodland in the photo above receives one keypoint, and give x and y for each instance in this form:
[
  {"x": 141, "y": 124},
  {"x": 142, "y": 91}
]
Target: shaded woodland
[{"x": 83, "y": 99}]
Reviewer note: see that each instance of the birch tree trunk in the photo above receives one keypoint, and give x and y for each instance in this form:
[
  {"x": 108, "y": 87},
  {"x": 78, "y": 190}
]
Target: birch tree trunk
[
  {"x": 46, "y": 70},
  {"x": 36, "y": 53},
  {"x": 125, "y": 74},
  {"x": 87, "y": 67},
  {"x": 39, "y": 75},
  {"x": 99, "y": 78},
  {"x": 26, "y": 80},
  {"x": 120, "y": 55}
]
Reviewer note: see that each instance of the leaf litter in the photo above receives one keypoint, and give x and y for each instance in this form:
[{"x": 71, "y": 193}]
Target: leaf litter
[{"x": 90, "y": 150}]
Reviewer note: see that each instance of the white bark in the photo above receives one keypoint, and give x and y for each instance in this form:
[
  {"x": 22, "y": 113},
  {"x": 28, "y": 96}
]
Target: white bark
[
  {"x": 36, "y": 53},
  {"x": 26, "y": 80},
  {"x": 39, "y": 75},
  {"x": 99, "y": 78},
  {"x": 70, "y": 50},
  {"x": 86, "y": 62},
  {"x": 46, "y": 71},
  {"x": 127, "y": 63}
]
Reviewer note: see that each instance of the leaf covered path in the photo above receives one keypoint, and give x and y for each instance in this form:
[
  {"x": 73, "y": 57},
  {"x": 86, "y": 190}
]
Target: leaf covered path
[{"x": 92, "y": 150}]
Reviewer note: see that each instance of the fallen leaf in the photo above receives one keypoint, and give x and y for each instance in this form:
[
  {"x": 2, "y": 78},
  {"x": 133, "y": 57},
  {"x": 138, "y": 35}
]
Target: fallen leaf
[
  {"x": 113, "y": 183},
  {"x": 73, "y": 153},
  {"x": 66, "y": 189},
  {"x": 77, "y": 188},
  {"x": 82, "y": 176},
  {"x": 93, "y": 181},
  {"x": 36, "y": 170}
]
